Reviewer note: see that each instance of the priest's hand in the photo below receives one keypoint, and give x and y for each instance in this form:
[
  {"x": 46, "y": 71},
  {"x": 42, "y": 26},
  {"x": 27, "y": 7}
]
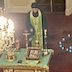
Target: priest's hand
[
  {"x": 31, "y": 30},
  {"x": 30, "y": 39}
]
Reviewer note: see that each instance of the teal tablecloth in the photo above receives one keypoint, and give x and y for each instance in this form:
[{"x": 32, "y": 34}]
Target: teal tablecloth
[{"x": 22, "y": 56}]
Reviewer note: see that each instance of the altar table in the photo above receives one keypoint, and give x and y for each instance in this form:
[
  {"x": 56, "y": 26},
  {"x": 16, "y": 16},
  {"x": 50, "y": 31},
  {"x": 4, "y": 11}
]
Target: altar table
[{"x": 41, "y": 65}]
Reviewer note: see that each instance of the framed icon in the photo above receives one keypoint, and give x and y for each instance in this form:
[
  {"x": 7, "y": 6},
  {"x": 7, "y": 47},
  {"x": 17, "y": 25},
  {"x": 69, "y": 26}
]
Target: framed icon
[{"x": 33, "y": 54}]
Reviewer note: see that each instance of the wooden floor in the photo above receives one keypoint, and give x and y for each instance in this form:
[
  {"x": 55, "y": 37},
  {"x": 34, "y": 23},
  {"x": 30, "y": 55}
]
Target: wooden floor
[{"x": 59, "y": 26}]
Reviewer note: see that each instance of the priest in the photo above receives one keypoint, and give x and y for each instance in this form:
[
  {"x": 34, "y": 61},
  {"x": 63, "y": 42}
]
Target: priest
[{"x": 37, "y": 26}]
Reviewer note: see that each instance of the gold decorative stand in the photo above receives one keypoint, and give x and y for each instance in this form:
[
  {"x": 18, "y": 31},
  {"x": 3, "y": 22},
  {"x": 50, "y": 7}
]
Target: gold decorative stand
[{"x": 10, "y": 56}]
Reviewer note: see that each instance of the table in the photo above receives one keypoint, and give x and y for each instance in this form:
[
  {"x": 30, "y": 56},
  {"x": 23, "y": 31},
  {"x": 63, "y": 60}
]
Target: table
[{"x": 41, "y": 65}]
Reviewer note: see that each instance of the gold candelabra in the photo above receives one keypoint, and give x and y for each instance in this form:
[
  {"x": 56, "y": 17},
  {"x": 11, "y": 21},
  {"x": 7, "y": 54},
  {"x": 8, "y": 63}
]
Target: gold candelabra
[
  {"x": 6, "y": 37},
  {"x": 6, "y": 33}
]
